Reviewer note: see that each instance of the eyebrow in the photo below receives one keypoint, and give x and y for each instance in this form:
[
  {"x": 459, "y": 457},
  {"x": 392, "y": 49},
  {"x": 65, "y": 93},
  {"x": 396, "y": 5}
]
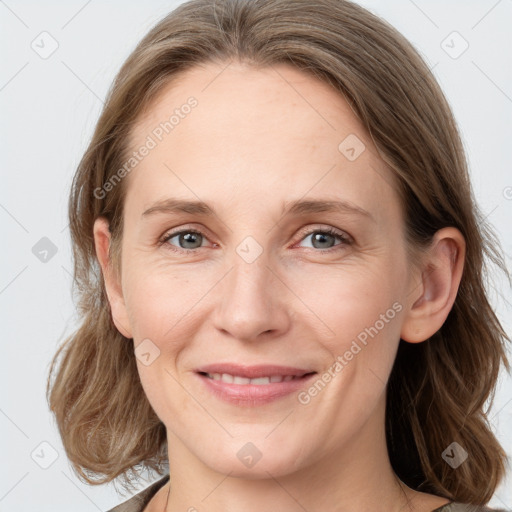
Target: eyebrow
[{"x": 294, "y": 208}]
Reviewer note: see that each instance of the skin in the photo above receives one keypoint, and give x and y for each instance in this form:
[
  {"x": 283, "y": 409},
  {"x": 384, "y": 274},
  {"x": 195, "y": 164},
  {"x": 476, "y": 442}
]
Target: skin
[{"x": 257, "y": 139}]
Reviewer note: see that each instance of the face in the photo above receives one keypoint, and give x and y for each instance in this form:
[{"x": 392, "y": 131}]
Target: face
[{"x": 265, "y": 282}]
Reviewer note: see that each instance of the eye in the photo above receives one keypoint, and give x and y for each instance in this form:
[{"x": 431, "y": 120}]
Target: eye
[
  {"x": 322, "y": 238},
  {"x": 187, "y": 240}
]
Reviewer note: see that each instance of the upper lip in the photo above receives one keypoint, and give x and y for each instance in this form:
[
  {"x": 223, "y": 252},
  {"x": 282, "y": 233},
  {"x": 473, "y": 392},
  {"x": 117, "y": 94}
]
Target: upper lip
[{"x": 253, "y": 372}]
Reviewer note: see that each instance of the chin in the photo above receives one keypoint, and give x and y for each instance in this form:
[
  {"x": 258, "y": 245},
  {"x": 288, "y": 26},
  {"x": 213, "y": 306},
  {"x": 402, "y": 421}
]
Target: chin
[{"x": 253, "y": 461}]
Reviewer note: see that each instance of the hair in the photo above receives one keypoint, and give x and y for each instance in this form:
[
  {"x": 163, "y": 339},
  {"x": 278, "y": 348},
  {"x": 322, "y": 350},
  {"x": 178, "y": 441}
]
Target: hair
[{"x": 438, "y": 389}]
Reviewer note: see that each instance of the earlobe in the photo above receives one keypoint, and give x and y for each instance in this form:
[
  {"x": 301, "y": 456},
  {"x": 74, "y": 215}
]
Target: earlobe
[
  {"x": 433, "y": 299},
  {"x": 102, "y": 240}
]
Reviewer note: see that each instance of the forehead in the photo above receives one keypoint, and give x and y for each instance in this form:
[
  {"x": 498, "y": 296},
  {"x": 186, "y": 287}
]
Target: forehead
[
  {"x": 255, "y": 99},
  {"x": 251, "y": 130}
]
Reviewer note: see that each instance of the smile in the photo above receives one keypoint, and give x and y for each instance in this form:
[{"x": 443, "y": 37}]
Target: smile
[{"x": 252, "y": 385}]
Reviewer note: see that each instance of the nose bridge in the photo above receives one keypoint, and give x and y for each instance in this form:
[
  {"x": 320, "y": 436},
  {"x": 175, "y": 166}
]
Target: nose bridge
[
  {"x": 250, "y": 303},
  {"x": 248, "y": 278},
  {"x": 250, "y": 283}
]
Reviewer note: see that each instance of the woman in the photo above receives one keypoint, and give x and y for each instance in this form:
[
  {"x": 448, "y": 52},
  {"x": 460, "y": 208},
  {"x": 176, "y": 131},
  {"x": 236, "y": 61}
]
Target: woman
[{"x": 280, "y": 266}]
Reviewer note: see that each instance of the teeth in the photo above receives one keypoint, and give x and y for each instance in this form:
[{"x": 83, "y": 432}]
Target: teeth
[
  {"x": 240, "y": 380},
  {"x": 225, "y": 377},
  {"x": 235, "y": 379},
  {"x": 261, "y": 380}
]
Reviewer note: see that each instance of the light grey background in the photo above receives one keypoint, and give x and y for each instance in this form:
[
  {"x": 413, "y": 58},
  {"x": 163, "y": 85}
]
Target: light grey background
[{"x": 49, "y": 108}]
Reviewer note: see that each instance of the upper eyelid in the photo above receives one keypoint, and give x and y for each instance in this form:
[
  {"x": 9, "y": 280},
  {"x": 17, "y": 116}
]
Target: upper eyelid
[{"x": 338, "y": 232}]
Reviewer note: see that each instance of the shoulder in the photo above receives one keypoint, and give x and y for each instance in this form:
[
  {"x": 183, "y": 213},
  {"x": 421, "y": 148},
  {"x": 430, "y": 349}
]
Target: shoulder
[
  {"x": 466, "y": 507},
  {"x": 137, "y": 502}
]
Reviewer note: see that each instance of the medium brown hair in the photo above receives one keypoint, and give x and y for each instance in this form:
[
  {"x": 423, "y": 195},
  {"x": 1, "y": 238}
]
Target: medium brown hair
[{"x": 437, "y": 389}]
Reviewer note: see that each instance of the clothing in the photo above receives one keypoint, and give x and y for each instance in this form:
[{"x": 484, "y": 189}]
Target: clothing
[{"x": 138, "y": 502}]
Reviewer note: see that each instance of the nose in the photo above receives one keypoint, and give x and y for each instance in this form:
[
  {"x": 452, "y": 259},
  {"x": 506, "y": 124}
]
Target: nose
[{"x": 253, "y": 302}]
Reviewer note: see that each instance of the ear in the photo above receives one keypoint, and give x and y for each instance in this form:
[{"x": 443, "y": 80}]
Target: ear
[
  {"x": 431, "y": 300},
  {"x": 102, "y": 239}
]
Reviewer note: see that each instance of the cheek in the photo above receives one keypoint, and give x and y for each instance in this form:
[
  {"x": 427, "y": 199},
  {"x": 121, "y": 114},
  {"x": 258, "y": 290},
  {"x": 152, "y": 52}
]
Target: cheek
[
  {"x": 349, "y": 300},
  {"x": 162, "y": 323},
  {"x": 158, "y": 301},
  {"x": 336, "y": 301},
  {"x": 360, "y": 316}
]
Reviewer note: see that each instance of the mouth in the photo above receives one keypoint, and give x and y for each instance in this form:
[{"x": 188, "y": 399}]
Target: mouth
[{"x": 252, "y": 385}]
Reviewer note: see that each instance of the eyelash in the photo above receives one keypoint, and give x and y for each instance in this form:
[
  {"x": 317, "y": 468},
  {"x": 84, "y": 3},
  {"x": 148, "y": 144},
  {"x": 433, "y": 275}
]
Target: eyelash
[{"x": 345, "y": 239}]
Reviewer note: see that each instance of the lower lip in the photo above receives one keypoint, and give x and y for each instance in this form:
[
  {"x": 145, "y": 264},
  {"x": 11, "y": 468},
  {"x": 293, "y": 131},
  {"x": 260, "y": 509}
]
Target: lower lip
[{"x": 253, "y": 394}]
